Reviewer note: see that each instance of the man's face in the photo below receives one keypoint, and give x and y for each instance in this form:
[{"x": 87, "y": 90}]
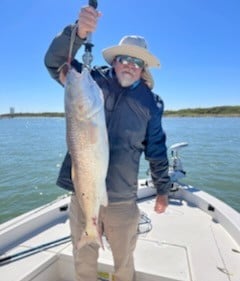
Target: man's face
[{"x": 128, "y": 69}]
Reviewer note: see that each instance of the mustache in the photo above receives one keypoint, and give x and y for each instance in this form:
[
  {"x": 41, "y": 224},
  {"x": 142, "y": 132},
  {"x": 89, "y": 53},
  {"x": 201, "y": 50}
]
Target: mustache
[{"x": 128, "y": 71}]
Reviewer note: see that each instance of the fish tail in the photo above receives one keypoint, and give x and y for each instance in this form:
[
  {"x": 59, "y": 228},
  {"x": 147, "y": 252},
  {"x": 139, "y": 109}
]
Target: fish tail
[{"x": 90, "y": 238}]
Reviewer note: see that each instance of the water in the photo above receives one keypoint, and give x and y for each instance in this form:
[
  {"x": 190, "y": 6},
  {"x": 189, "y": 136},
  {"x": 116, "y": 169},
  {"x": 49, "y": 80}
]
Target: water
[{"x": 32, "y": 150}]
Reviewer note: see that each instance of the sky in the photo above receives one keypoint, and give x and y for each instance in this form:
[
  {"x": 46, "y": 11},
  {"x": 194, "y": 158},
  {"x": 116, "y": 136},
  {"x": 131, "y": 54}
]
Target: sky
[{"x": 196, "y": 41}]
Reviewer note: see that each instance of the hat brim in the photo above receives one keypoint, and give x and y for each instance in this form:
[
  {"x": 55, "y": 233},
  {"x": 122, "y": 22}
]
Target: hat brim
[{"x": 134, "y": 51}]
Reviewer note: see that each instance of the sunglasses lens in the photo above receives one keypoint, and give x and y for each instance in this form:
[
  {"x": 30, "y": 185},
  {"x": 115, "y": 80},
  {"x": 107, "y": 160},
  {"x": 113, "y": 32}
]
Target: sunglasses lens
[{"x": 138, "y": 63}]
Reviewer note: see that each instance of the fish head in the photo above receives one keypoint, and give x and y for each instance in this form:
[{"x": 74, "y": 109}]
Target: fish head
[{"x": 83, "y": 97}]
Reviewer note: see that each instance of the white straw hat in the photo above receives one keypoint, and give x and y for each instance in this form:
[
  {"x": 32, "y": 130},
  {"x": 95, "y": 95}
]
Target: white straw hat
[{"x": 134, "y": 46}]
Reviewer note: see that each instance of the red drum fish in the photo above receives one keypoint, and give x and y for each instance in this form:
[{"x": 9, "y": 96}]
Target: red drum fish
[{"x": 87, "y": 143}]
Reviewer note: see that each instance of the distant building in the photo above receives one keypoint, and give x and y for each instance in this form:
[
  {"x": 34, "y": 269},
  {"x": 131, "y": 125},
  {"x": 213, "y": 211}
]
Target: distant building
[{"x": 12, "y": 111}]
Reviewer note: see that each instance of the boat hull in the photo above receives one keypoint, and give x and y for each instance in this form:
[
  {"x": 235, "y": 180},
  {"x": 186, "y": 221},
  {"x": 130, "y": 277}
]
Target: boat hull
[{"x": 196, "y": 239}]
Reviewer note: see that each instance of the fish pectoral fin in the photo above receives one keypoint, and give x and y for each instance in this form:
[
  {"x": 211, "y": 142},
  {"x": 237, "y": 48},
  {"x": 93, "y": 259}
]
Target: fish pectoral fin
[
  {"x": 93, "y": 133},
  {"x": 90, "y": 131}
]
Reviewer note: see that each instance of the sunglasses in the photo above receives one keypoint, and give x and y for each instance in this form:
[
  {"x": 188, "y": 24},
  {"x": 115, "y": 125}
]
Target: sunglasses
[{"x": 137, "y": 63}]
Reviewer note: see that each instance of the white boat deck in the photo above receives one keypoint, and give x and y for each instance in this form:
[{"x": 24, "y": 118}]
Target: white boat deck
[
  {"x": 191, "y": 245},
  {"x": 184, "y": 243}
]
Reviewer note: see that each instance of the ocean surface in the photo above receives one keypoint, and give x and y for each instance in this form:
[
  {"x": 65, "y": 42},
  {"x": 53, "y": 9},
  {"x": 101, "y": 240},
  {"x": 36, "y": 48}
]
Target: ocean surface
[{"x": 32, "y": 150}]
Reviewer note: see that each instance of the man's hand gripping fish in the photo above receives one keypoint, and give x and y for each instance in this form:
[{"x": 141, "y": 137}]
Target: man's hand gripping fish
[{"x": 88, "y": 146}]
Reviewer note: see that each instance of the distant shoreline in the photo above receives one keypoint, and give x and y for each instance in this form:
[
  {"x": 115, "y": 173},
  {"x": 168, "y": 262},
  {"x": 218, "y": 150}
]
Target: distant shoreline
[{"x": 217, "y": 111}]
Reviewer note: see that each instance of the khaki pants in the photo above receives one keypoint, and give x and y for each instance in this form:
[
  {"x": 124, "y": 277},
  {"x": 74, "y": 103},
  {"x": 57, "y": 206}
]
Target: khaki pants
[{"x": 119, "y": 222}]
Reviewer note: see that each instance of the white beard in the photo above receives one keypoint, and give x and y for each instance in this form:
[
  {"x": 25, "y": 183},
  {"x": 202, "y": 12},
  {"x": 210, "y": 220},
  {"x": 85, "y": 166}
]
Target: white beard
[{"x": 125, "y": 79}]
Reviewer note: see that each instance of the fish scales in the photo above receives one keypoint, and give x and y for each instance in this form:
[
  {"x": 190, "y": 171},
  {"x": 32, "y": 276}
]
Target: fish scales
[{"x": 87, "y": 143}]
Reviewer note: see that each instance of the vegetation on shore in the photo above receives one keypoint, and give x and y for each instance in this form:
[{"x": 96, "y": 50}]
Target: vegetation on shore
[
  {"x": 41, "y": 114},
  {"x": 217, "y": 111},
  {"x": 227, "y": 111}
]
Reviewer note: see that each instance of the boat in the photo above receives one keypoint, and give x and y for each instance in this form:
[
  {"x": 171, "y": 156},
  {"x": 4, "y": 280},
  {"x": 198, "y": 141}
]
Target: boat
[{"x": 196, "y": 239}]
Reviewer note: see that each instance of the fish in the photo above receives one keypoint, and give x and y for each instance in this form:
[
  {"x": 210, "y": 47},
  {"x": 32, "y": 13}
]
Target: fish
[{"x": 87, "y": 142}]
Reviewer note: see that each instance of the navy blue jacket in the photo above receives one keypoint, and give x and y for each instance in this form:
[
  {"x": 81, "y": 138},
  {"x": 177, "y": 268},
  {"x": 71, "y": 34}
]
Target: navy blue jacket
[{"x": 133, "y": 118}]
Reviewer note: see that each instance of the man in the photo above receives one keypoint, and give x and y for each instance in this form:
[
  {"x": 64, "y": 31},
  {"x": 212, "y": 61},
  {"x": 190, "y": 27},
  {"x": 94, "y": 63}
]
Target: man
[{"x": 133, "y": 118}]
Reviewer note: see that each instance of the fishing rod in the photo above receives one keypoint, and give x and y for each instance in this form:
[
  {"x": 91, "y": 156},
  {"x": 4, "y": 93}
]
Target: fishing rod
[
  {"x": 87, "y": 56},
  {"x": 34, "y": 250}
]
